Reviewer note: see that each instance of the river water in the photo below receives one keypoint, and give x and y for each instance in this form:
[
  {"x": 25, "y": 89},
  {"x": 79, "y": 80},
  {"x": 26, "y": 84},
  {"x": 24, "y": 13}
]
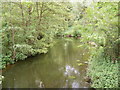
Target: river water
[{"x": 64, "y": 66}]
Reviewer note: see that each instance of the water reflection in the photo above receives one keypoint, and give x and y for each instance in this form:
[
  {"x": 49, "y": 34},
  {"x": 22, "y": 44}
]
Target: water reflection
[
  {"x": 70, "y": 71},
  {"x": 39, "y": 83},
  {"x": 56, "y": 69},
  {"x": 75, "y": 84}
]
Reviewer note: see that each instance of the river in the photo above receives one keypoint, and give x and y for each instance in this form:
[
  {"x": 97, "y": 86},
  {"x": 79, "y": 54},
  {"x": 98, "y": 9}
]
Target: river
[{"x": 64, "y": 66}]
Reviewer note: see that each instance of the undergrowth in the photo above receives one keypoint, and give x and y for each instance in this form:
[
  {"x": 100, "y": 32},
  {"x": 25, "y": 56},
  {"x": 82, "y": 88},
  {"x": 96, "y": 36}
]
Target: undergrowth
[{"x": 103, "y": 73}]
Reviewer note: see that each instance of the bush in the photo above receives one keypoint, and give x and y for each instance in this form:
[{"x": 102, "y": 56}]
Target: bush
[{"x": 77, "y": 33}]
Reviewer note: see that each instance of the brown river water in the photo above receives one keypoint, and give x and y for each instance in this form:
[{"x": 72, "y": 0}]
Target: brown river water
[{"x": 64, "y": 66}]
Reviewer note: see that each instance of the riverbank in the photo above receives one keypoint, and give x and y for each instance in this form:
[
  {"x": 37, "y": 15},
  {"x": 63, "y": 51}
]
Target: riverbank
[
  {"x": 64, "y": 66},
  {"x": 7, "y": 62},
  {"x": 103, "y": 72},
  {"x": 28, "y": 52}
]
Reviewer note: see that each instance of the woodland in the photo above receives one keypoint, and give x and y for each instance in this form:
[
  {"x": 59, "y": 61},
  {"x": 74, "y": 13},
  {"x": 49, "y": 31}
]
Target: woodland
[{"x": 30, "y": 29}]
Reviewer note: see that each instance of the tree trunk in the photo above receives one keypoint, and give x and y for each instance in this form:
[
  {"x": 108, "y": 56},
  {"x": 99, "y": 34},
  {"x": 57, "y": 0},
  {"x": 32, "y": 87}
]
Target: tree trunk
[
  {"x": 41, "y": 12},
  {"x": 13, "y": 37},
  {"x": 29, "y": 12},
  {"x": 22, "y": 14},
  {"x": 13, "y": 44}
]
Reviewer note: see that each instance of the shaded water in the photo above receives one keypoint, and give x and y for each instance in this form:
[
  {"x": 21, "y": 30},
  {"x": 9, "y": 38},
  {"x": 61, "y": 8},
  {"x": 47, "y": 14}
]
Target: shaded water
[{"x": 57, "y": 69}]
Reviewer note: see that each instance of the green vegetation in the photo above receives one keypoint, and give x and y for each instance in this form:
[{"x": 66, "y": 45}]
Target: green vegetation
[
  {"x": 28, "y": 28},
  {"x": 103, "y": 73},
  {"x": 100, "y": 32}
]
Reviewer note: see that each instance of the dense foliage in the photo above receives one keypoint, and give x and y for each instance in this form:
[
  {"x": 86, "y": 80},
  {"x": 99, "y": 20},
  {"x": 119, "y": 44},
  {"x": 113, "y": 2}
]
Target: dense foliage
[
  {"x": 103, "y": 73},
  {"x": 97, "y": 24},
  {"x": 29, "y": 27},
  {"x": 99, "y": 29}
]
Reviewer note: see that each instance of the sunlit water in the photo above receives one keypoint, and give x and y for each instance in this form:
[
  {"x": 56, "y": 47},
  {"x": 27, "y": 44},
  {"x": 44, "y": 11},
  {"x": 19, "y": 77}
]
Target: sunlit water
[{"x": 57, "y": 69}]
